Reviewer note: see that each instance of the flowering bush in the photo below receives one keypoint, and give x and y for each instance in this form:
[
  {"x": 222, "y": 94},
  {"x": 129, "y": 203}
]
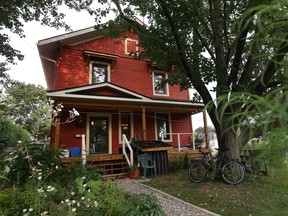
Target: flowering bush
[{"x": 38, "y": 185}]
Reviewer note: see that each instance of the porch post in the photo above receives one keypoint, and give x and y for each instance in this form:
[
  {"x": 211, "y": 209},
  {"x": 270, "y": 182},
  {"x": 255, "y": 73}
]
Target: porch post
[
  {"x": 206, "y": 129},
  {"x": 144, "y": 123},
  {"x": 57, "y": 135}
]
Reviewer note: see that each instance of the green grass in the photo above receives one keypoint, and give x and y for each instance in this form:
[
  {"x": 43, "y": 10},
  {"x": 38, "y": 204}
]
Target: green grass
[{"x": 256, "y": 195}]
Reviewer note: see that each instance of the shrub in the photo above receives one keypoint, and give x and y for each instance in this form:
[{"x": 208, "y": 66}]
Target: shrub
[
  {"x": 144, "y": 204},
  {"x": 179, "y": 162},
  {"x": 27, "y": 160},
  {"x": 10, "y": 134}
]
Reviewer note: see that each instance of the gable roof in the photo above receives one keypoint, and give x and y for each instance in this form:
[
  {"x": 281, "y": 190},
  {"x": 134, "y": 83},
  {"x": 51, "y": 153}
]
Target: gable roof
[
  {"x": 47, "y": 48},
  {"x": 113, "y": 94},
  {"x": 103, "y": 91}
]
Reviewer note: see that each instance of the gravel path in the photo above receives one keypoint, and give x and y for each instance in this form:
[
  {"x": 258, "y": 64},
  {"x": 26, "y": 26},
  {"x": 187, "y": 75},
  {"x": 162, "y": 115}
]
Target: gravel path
[{"x": 172, "y": 206}]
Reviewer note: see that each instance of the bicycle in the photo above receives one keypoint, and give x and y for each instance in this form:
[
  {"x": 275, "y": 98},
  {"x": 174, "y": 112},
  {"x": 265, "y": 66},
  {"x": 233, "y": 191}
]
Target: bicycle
[{"x": 232, "y": 171}]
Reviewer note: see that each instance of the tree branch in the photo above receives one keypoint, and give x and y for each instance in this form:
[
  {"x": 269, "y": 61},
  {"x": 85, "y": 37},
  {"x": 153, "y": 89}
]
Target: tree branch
[{"x": 271, "y": 69}]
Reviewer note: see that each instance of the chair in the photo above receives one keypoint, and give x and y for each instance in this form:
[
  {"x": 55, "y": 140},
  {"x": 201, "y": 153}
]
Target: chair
[{"x": 146, "y": 163}]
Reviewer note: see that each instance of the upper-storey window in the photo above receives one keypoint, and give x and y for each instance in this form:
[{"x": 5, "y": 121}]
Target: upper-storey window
[
  {"x": 99, "y": 72},
  {"x": 131, "y": 45},
  {"x": 159, "y": 88}
]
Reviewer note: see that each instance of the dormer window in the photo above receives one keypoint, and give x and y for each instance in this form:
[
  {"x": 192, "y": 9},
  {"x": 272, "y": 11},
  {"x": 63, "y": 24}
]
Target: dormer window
[
  {"x": 99, "y": 72},
  {"x": 131, "y": 45},
  {"x": 158, "y": 78}
]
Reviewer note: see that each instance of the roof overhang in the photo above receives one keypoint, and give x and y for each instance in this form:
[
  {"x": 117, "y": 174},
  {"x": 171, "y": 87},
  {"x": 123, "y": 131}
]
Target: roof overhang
[
  {"x": 76, "y": 97},
  {"x": 48, "y": 48}
]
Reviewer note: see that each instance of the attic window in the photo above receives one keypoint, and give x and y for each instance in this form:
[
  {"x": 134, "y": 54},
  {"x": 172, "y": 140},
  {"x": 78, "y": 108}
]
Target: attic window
[{"x": 131, "y": 46}]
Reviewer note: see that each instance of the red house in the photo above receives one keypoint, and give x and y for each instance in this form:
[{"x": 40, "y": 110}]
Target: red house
[{"x": 114, "y": 93}]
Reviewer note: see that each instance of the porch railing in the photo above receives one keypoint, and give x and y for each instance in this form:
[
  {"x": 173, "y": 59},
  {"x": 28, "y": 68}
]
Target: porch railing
[
  {"x": 125, "y": 143},
  {"x": 178, "y": 138}
]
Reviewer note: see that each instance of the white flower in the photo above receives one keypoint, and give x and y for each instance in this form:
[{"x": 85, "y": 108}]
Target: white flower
[
  {"x": 39, "y": 163},
  {"x": 56, "y": 167},
  {"x": 62, "y": 202},
  {"x": 78, "y": 204},
  {"x": 82, "y": 198},
  {"x": 67, "y": 200},
  {"x": 24, "y": 210},
  {"x": 73, "y": 201},
  {"x": 49, "y": 188},
  {"x": 95, "y": 204},
  {"x": 83, "y": 177},
  {"x": 73, "y": 209},
  {"x": 72, "y": 193},
  {"x": 87, "y": 205},
  {"x": 40, "y": 190},
  {"x": 40, "y": 177},
  {"x": 84, "y": 185},
  {"x": 31, "y": 209}
]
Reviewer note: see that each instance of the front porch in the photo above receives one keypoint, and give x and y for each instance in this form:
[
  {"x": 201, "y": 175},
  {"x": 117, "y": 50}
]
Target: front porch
[{"x": 113, "y": 166}]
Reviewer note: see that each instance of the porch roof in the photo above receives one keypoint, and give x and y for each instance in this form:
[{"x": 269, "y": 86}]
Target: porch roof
[{"x": 108, "y": 95}]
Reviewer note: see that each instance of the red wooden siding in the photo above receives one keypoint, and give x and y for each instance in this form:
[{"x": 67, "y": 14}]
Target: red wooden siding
[
  {"x": 181, "y": 123},
  {"x": 73, "y": 68}
]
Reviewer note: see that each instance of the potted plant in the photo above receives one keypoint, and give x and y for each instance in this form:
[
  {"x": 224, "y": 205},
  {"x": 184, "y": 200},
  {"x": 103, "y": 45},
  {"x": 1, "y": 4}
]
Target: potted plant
[{"x": 134, "y": 171}]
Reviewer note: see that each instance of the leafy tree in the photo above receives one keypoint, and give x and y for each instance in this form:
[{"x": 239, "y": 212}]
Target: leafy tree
[
  {"x": 240, "y": 45},
  {"x": 27, "y": 105},
  {"x": 13, "y": 14}
]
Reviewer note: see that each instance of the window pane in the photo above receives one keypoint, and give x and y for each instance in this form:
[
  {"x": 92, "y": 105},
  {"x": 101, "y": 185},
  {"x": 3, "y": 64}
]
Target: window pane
[
  {"x": 99, "y": 73},
  {"x": 125, "y": 125},
  {"x": 163, "y": 126},
  {"x": 158, "y": 79}
]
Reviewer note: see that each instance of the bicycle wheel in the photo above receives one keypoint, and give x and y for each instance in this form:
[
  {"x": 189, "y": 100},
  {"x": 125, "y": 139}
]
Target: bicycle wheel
[
  {"x": 233, "y": 172},
  {"x": 197, "y": 171}
]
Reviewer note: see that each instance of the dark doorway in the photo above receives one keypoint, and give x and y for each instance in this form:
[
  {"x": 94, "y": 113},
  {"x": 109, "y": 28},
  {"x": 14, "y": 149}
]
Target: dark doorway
[{"x": 99, "y": 139}]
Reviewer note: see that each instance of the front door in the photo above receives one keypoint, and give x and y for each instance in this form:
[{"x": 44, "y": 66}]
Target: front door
[{"x": 99, "y": 136}]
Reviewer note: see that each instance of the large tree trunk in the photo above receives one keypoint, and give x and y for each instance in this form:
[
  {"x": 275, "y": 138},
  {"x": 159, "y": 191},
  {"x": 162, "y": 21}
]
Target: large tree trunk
[{"x": 227, "y": 138}]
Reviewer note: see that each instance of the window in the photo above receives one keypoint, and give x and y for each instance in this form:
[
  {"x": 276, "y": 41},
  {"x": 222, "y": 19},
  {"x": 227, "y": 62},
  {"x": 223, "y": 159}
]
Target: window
[
  {"x": 125, "y": 120},
  {"x": 131, "y": 46},
  {"x": 158, "y": 78},
  {"x": 99, "y": 72},
  {"x": 163, "y": 126}
]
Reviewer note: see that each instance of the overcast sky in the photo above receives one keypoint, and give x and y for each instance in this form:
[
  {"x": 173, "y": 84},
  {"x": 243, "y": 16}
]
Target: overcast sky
[{"x": 30, "y": 69}]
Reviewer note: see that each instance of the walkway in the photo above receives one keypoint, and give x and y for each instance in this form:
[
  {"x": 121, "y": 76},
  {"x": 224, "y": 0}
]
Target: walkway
[{"x": 172, "y": 206}]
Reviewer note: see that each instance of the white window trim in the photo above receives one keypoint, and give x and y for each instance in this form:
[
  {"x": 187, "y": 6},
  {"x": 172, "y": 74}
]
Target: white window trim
[
  {"x": 101, "y": 63},
  {"x": 89, "y": 115},
  {"x": 166, "y": 85},
  {"x": 126, "y": 47},
  {"x": 170, "y": 126},
  {"x": 131, "y": 125}
]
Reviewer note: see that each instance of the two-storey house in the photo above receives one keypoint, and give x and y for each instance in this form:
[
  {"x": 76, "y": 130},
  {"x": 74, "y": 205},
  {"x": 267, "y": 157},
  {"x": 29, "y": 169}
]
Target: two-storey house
[{"x": 114, "y": 93}]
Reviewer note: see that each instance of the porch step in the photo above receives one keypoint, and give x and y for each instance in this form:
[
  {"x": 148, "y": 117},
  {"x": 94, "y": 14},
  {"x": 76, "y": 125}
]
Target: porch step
[
  {"x": 110, "y": 166},
  {"x": 115, "y": 176}
]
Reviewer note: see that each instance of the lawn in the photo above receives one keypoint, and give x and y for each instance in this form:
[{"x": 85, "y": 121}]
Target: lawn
[{"x": 256, "y": 195}]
